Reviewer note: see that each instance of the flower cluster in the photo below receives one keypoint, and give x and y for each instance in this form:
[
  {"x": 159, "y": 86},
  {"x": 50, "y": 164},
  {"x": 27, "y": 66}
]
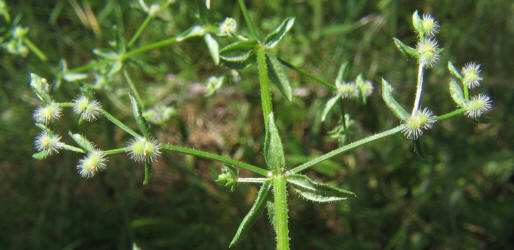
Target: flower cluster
[{"x": 417, "y": 123}]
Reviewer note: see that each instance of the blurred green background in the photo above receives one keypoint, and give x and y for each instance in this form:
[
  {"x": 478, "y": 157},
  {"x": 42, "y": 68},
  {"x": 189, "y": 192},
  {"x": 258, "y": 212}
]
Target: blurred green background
[{"x": 457, "y": 193}]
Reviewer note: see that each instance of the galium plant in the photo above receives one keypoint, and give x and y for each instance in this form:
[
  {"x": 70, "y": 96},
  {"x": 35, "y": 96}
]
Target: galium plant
[{"x": 243, "y": 50}]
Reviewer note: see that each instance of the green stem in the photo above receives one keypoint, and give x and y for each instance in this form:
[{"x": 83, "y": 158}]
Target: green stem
[
  {"x": 148, "y": 172},
  {"x": 35, "y": 49},
  {"x": 133, "y": 89},
  {"x": 267, "y": 107},
  {"x": 450, "y": 114},
  {"x": 215, "y": 157},
  {"x": 88, "y": 66},
  {"x": 419, "y": 89},
  {"x": 345, "y": 148},
  {"x": 65, "y": 104},
  {"x": 466, "y": 92},
  {"x": 252, "y": 180},
  {"x": 116, "y": 151},
  {"x": 309, "y": 75},
  {"x": 248, "y": 21},
  {"x": 281, "y": 216},
  {"x": 140, "y": 30},
  {"x": 149, "y": 47},
  {"x": 119, "y": 123}
]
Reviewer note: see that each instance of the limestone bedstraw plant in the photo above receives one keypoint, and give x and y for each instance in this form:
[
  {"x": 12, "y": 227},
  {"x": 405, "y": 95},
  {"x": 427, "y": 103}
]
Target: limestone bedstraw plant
[{"x": 243, "y": 50}]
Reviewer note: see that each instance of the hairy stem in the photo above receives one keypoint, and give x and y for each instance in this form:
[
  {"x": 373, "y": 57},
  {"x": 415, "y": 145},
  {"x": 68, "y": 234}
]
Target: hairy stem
[
  {"x": 215, "y": 157},
  {"x": 116, "y": 151},
  {"x": 133, "y": 89},
  {"x": 281, "y": 215},
  {"x": 264, "y": 83},
  {"x": 419, "y": 89},
  {"x": 345, "y": 148}
]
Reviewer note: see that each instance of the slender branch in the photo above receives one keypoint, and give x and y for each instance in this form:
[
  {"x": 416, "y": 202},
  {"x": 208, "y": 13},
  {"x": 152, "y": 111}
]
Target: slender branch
[
  {"x": 345, "y": 148},
  {"x": 140, "y": 30},
  {"x": 119, "y": 123},
  {"x": 65, "y": 104},
  {"x": 133, "y": 89},
  {"x": 35, "y": 49},
  {"x": 267, "y": 107},
  {"x": 116, "y": 151},
  {"x": 450, "y": 114},
  {"x": 88, "y": 66},
  {"x": 308, "y": 75},
  {"x": 149, "y": 47},
  {"x": 419, "y": 89},
  {"x": 248, "y": 21},
  {"x": 281, "y": 216},
  {"x": 252, "y": 180},
  {"x": 215, "y": 157}
]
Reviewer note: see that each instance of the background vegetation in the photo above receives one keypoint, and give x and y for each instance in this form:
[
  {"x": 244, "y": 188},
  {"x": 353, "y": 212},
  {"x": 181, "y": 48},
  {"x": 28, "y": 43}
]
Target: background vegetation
[{"x": 456, "y": 193}]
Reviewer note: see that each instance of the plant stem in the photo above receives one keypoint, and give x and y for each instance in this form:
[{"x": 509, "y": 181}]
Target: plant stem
[
  {"x": 148, "y": 47},
  {"x": 308, "y": 75},
  {"x": 281, "y": 216},
  {"x": 133, "y": 89},
  {"x": 215, "y": 157},
  {"x": 450, "y": 114},
  {"x": 267, "y": 107},
  {"x": 419, "y": 89},
  {"x": 466, "y": 92},
  {"x": 248, "y": 21},
  {"x": 140, "y": 30},
  {"x": 252, "y": 180},
  {"x": 345, "y": 148},
  {"x": 88, "y": 66},
  {"x": 65, "y": 104},
  {"x": 35, "y": 49},
  {"x": 119, "y": 123},
  {"x": 116, "y": 151}
]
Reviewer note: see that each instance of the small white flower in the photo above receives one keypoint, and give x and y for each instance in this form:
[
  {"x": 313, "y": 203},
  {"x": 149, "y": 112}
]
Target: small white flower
[
  {"x": 430, "y": 25},
  {"x": 92, "y": 163},
  {"x": 141, "y": 149},
  {"x": 46, "y": 114},
  {"x": 48, "y": 143},
  {"x": 417, "y": 123},
  {"x": 88, "y": 110},
  {"x": 471, "y": 75},
  {"x": 228, "y": 27},
  {"x": 428, "y": 51},
  {"x": 478, "y": 105},
  {"x": 347, "y": 90}
]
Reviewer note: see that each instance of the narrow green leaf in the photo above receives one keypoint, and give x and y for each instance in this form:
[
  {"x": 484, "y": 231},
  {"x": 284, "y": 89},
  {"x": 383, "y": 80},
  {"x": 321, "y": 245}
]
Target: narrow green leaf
[
  {"x": 274, "y": 37},
  {"x": 330, "y": 104},
  {"x": 40, "y": 87},
  {"x": 417, "y": 24},
  {"x": 239, "y": 46},
  {"x": 457, "y": 93},
  {"x": 393, "y": 105},
  {"x": 140, "y": 120},
  {"x": 237, "y": 58},
  {"x": 213, "y": 47},
  {"x": 40, "y": 155},
  {"x": 405, "y": 49},
  {"x": 196, "y": 30},
  {"x": 315, "y": 191},
  {"x": 454, "y": 71},
  {"x": 253, "y": 214},
  {"x": 277, "y": 74},
  {"x": 82, "y": 141},
  {"x": 273, "y": 150},
  {"x": 115, "y": 67},
  {"x": 340, "y": 74}
]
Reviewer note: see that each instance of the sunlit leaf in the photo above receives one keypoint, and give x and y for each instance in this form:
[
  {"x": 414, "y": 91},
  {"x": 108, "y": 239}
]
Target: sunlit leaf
[
  {"x": 393, "y": 105},
  {"x": 274, "y": 37},
  {"x": 277, "y": 74},
  {"x": 273, "y": 150},
  {"x": 330, "y": 104},
  {"x": 456, "y": 93},
  {"x": 316, "y": 191},
  {"x": 213, "y": 47},
  {"x": 405, "y": 49}
]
